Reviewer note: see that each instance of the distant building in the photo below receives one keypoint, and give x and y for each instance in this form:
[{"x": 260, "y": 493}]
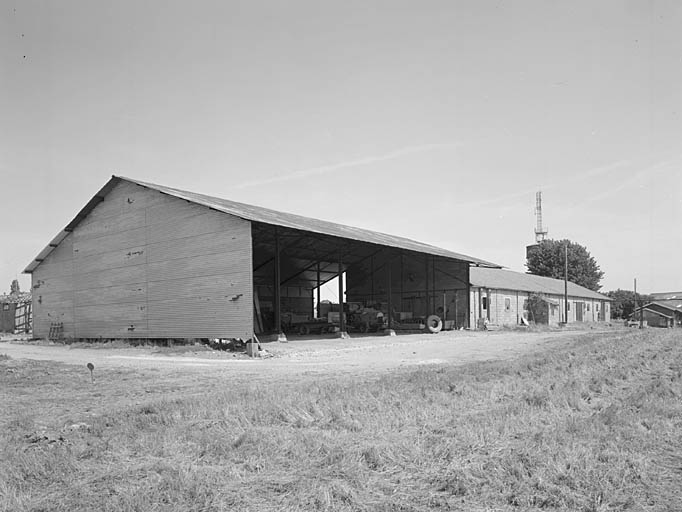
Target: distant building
[
  {"x": 666, "y": 296},
  {"x": 661, "y": 313},
  {"x": 501, "y": 297},
  {"x": 16, "y": 313}
]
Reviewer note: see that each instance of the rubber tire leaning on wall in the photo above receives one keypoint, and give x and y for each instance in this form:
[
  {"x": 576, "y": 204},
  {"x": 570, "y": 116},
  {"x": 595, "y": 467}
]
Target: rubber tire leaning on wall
[{"x": 434, "y": 324}]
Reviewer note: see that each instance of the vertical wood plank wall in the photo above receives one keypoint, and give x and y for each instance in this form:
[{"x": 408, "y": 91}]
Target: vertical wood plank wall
[{"x": 147, "y": 265}]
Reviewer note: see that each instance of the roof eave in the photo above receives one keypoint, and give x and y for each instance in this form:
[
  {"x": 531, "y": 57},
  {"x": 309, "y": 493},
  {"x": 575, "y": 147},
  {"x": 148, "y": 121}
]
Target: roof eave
[{"x": 94, "y": 201}]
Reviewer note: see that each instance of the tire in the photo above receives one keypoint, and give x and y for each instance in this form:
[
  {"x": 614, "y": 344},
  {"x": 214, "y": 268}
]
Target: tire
[
  {"x": 303, "y": 330},
  {"x": 434, "y": 324}
]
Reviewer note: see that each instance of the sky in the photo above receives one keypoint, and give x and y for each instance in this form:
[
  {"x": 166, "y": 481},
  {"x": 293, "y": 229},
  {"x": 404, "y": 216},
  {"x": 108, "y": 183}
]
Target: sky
[{"x": 433, "y": 120}]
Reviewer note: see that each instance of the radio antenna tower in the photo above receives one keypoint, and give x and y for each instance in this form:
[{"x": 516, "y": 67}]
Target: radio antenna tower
[{"x": 540, "y": 232}]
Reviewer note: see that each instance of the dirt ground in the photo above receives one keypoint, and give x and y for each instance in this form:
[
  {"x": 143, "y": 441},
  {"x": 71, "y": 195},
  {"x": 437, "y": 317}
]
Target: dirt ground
[
  {"x": 47, "y": 387},
  {"x": 330, "y": 355}
]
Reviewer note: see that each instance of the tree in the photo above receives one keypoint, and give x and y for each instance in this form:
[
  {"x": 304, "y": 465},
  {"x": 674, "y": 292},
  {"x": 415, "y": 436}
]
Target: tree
[
  {"x": 547, "y": 259},
  {"x": 623, "y": 304},
  {"x": 538, "y": 308},
  {"x": 14, "y": 287}
]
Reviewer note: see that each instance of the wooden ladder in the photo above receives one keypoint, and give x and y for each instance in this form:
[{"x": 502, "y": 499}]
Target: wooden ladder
[{"x": 56, "y": 331}]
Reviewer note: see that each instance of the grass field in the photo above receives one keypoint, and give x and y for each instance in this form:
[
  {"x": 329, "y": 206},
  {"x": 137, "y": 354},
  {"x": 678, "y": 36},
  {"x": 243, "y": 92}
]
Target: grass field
[{"x": 591, "y": 424}]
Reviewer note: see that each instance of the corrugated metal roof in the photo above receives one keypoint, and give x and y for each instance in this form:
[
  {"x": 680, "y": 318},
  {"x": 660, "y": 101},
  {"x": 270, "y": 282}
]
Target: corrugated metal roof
[
  {"x": 672, "y": 304},
  {"x": 265, "y": 216},
  {"x": 19, "y": 298},
  {"x": 501, "y": 279},
  {"x": 635, "y": 314},
  {"x": 666, "y": 296}
]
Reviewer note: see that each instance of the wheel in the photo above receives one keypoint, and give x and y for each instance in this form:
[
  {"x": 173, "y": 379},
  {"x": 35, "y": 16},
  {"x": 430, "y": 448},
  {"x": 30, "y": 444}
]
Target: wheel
[
  {"x": 303, "y": 330},
  {"x": 434, "y": 324}
]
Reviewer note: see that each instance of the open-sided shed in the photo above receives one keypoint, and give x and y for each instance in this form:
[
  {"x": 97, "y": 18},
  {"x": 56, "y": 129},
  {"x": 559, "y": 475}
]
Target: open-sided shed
[{"x": 147, "y": 261}]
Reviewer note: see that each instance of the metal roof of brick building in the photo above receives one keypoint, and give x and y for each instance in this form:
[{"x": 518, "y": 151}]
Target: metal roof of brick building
[{"x": 500, "y": 279}]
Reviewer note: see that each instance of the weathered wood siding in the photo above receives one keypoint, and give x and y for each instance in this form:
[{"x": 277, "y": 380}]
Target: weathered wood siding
[
  {"x": 7, "y": 311},
  {"x": 147, "y": 265},
  {"x": 53, "y": 290}
]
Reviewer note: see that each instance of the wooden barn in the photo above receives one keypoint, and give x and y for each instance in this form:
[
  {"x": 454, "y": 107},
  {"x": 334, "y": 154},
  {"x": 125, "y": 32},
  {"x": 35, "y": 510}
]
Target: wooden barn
[
  {"x": 501, "y": 297},
  {"x": 661, "y": 313},
  {"x": 16, "y": 313},
  {"x": 148, "y": 261}
]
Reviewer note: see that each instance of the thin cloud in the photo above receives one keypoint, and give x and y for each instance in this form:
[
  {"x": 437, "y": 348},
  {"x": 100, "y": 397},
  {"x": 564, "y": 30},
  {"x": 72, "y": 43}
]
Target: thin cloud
[
  {"x": 314, "y": 171},
  {"x": 530, "y": 191},
  {"x": 637, "y": 177}
]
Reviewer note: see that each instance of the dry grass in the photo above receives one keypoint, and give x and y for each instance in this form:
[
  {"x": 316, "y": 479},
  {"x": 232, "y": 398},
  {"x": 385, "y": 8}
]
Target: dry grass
[{"x": 591, "y": 425}]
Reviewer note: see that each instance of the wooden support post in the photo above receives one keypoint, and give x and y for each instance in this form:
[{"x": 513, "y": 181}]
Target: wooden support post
[
  {"x": 342, "y": 320},
  {"x": 317, "y": 307},
  {"x": 466, "y": 320},
  {"x": 371, "y": 276},
  {"x": 428, "y": 293},
  {"x": 389, "y": 277},
  {"x": 277, "y": 293},
  {"x": 433, "y": 282},
  {"x": 468, "y": 299},
  {"x": 566, "y": 283},
  {"x": 402, "y": 279}
]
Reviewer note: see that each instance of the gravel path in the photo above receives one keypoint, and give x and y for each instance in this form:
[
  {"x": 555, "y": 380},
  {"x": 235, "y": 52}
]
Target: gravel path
[{"x": 361, "y": 354}]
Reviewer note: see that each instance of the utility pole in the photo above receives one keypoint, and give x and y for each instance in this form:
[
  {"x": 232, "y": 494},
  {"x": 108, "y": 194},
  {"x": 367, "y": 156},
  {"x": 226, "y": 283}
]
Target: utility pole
[
  {"x": 635, "y": 311},
  {"x": 566, "y": 283},
  {"x": 641, "y": 315}
]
